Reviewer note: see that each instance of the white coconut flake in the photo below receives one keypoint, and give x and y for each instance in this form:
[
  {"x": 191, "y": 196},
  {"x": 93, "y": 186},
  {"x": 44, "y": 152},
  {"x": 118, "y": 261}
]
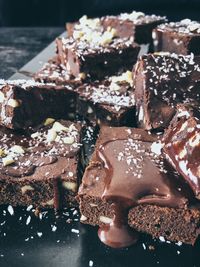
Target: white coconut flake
[
  {"x": 91, "y": 263},
  {"x": 53, "y": 228},
  {"x": 144, "y": 246},
  {"x": 76, "y": 231},
  {"x": 39, "y": 234},
  {"x": 29, "y": 207},
  {"x": 10, "y": 210},
  {"x": 162, "y": 239},
  {"x": 156, "y": 148},
  {"x": 28, "y": 220}
]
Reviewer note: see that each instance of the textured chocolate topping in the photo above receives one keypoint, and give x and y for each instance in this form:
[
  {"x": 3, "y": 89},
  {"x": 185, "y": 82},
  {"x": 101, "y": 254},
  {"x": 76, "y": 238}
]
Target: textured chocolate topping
[
  {"x": 163, "y": 80},
  {"x": 134, "y": 173},
  {"x": 182, "y": 147},
  {"x": 44, "y": 154},
  {"x": 116, "y": 91},
  {"x": 53, "y": 72},
  {"x": 85, "y": 47},
  {"x": 132, "y": 160},
  {"x": 185, "y": 27}
]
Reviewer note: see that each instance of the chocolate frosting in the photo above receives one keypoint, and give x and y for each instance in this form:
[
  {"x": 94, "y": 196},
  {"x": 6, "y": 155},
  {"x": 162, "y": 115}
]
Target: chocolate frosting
[
  {"x": 182, "y": 147},
  {"x": 134, "y": 175}
]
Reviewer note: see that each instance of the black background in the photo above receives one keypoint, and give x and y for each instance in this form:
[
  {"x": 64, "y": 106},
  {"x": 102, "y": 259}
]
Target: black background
[{"x": 57, "y": 12}]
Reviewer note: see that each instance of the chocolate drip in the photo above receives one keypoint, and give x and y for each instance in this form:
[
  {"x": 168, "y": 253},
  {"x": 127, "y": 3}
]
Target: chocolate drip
[
  {"x": 134, "y": 175},
  {"x": 182, "y": 147},
  {"x": 118, "y": 234}
]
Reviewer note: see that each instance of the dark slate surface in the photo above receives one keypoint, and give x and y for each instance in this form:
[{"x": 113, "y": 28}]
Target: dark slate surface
[{"x": 19, "y": 45}]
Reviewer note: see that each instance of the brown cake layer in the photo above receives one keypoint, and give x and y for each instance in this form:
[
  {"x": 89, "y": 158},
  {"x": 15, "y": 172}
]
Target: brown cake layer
[
  {"x": 181, "y": 37},
  {"x": 108, "y": 102},
  {"x": 53, "y": 72},
  {"x": 129, "y": 182},
  {"x": 103, "y": 55},
  {"x": 25, "y": 103},
  {"x": 40, "y": 168}
]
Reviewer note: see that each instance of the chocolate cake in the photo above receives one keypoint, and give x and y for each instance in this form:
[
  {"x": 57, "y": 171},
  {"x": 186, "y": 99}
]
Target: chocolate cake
[
  {"x": 128, "y": 184},
  {"x": 108, "y": 102},
  {"x": 178, "y": 37},
  {"x": 97, "y": 56},
  {"x": 161, "y": 81},
  {"x": 25, "y": 103},
  {"x": 182, "y": 145},
  {"x": 40, "y": 168},
  {"x": 53, "y": 72},
  {"x": 134, "y": 24}
]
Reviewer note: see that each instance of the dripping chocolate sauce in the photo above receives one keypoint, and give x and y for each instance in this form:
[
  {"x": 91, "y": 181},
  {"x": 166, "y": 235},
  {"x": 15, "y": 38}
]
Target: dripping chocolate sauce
[{"x": 118, "y": 233}]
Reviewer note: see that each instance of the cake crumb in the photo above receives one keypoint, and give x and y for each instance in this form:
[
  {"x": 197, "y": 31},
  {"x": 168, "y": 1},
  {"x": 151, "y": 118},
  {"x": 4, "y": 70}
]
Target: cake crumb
[{"x": 151, "y": 247}]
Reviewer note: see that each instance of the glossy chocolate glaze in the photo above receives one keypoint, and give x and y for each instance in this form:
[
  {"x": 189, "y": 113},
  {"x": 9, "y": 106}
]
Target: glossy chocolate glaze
[
  {"x": 134, "y": 175},
  {"x": 162, "y": 81},
  {"x": 182, "y": 147}
]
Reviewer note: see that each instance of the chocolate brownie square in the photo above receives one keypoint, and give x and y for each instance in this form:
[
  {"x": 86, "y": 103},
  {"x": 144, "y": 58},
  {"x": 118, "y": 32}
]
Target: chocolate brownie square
[
  {"x": 129, "y": 186},
  {"x": 102, "y": 55},
  {"x": 53, "y": 72},
  {"x": 134, "y": 24},
  {"x": 40, "y": 168},
  {"x": 162, "y": 81},
  {"x": 25, "y": 103},
  {"x": 178, "y": 37},
  {"x": 108, "y": 102},
  {"x": 182, "y": 145}
]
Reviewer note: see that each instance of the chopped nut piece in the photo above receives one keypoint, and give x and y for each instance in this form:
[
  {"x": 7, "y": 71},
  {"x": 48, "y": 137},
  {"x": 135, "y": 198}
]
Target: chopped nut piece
[
  {"x": 58, "y": 138},
  {"x": 78, "y": 34},
  {"x": 17, "y": 149},
  {"x": 2, "y": 153},
  {"x": 49, "y": 203},
  {"x": 106, "y": 38},
  {"x": 105, "y": 219},
  {"x": 13, "y": 103},
  {"x": 83, "y": 218},
  {"x": 58, "y": 127},
  {"x": 114, "y": 86},
  {"x": 93, "y": 205},
  {"x": 26, "y": 188},
  {"x": 34, "y": 135},
  {"x": 68, "y": 140},
  {"x": 49, "y": 121},
  {"x": 51, "y": 136},
  {"x": 70, "y": 186},
  {"x": 7, "y": 160},
  {"x": 125, "y": 77},
  {"x": 82, "y": 76},
  {"x": 72, "y": 128}
]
